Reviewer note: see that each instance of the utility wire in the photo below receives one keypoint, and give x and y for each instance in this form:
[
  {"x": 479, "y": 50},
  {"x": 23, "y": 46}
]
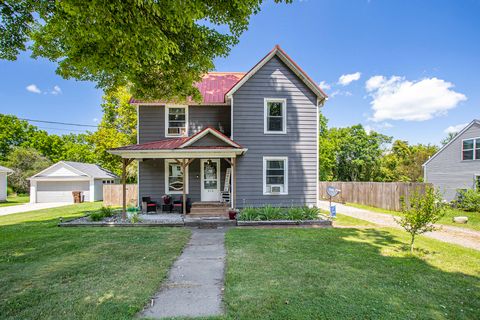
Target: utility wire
[
  {"x": 64, "y": 123},
  {"x": 64, "y": 129}
]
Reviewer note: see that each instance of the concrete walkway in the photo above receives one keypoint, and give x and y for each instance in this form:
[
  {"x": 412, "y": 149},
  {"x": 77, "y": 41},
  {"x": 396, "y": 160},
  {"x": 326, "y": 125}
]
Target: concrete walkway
[
  {"x": 456, "y": 235},
  {"x": 30, "y": 207},
  {"x": 195, "y": 283}
]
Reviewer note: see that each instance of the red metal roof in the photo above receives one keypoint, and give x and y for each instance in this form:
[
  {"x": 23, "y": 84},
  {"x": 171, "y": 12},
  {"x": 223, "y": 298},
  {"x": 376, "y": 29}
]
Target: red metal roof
[
  {"x": 176, "y": 143},
  {"x": 213, "y": 87}
]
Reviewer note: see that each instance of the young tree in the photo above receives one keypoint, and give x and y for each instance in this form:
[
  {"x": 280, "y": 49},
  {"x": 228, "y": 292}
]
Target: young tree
[
  {"x": 159, "y": 47},
  {"x": 117, "y": 128},
  {"x": 421, "y": 214},
  {"x": 25, "y": 162}
]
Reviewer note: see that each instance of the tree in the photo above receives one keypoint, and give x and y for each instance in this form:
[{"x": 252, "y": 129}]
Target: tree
[
  {"x": 117, "y": 128},
  {"x": 13, "y": 132},
  {"x": 25, "y": 162},
  {"x": 421, "y": 214},
  {"x": 448, "y": 138},
  {"x": 159, "y": 47},
  {"x": 403, "y": 162},
  {"x": 359, "y": 153}
]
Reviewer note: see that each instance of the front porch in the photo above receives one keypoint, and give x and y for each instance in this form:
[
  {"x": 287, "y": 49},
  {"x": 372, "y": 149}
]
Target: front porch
[{"x": 199, "y": 170}]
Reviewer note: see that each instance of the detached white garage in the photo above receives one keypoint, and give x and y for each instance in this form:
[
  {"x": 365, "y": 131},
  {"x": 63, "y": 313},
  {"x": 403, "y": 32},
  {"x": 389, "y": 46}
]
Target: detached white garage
[{"x": 57, "y": 182}]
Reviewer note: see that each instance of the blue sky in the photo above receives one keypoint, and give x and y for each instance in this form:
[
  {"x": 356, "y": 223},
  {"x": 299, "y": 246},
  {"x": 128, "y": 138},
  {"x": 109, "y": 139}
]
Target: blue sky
[{"x": 409, "y": 68}]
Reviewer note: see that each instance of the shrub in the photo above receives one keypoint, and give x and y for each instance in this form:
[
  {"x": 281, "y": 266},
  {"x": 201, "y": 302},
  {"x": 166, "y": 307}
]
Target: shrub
[
  {"x": 294, "y": 213},
  {"x": 310, "y": 213},
  {"x": 248, "y": 214},
  {"x": 96, "y": 216},
  {"x": 271, "y": 213},
  {"x": 107, "y": 211},
  {"x": 469, "y": 200}
]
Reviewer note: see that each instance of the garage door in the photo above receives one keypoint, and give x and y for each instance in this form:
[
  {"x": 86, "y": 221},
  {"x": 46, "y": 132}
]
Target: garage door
[{"x": 60, "y": 191}]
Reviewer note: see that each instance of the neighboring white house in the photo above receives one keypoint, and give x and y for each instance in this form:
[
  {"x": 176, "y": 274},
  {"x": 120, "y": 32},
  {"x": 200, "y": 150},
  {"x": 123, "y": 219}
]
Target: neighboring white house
[
  {"x": 4, "y": 172},
  {"x": 457, "y": 164},
  {"x": 57, "y": 182}
]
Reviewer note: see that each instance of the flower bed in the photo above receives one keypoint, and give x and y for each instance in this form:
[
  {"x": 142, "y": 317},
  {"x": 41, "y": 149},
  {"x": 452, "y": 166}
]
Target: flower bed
[
  {"x": 269, "y": 213},
  {"x": 276, "y": 216}
]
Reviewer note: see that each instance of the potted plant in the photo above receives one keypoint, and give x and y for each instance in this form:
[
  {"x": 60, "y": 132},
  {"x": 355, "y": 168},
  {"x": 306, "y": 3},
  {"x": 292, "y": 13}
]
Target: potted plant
[
  {"x": 232, "y": 213},
  {"x": 167, "y": 199}
]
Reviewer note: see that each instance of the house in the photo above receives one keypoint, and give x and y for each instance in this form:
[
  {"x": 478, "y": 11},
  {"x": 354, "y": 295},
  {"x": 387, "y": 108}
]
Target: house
[
  {"x": 252, "y": 141},
  {"x": 457, "y": 164},
  {"x": 57, "y": 182},
  {"x": 4, "y": 172}
]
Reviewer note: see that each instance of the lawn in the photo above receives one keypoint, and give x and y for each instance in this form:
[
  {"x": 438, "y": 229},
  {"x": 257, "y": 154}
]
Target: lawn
[
  {"x": 348, "y": 274},
  {"x": 48, "y": 272},
  {"x": 473, "y": 217},
  {"x": 13, "y": 201}
]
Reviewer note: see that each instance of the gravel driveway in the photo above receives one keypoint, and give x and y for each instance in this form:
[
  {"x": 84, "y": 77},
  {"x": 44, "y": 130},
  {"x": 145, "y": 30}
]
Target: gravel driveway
[
  {"x": 456, "y": 235},
  {"x": 30, "y": 207}
]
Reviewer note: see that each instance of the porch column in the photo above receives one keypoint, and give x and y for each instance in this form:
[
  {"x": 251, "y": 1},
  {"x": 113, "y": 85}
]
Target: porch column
[
  {"x": 125, "y": 163},
  {"x": 184, "y": 163},
  {"x": 233, "y": 201}
]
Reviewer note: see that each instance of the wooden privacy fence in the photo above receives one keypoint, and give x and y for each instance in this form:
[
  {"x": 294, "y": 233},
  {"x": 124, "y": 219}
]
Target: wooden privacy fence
[
  {"x": 112, "y": 194},
  {"x": 385, "y": 195}
]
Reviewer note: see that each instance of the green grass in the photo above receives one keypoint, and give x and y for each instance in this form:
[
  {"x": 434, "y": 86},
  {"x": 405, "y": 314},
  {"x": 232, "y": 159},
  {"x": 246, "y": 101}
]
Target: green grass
[
  {"x": 473, "y": 217},
  {"x": 347, "y": 274},
  {"x": 347, "y": 221},
  {"x": 13, "y": 201},
  {"x": 48, "y": 272}
]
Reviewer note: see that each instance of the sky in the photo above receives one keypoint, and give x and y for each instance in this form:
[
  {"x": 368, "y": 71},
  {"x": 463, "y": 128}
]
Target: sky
[{"x": 407, "y": 69}]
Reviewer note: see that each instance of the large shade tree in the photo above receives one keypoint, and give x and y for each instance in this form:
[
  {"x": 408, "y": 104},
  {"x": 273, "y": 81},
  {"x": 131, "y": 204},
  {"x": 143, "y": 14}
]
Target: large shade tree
[{"x": 160, "y": 48}]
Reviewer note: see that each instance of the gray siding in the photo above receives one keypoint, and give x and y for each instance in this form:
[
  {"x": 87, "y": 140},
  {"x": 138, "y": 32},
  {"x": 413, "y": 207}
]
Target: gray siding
[
  {"x": 152, "y": 179},
  {"x": 448, "y": 172},
  {"x": 276, "y": 80},
  {"x": 152, "y": 120}
]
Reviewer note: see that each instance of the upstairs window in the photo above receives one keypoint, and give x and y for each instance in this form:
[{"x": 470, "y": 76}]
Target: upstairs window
[
  {"x": 471, "y": 149},
  {"x": 275, "y": 175},
  {"x": 275, "y": 116},
  {"x": 176, "y": 121}
]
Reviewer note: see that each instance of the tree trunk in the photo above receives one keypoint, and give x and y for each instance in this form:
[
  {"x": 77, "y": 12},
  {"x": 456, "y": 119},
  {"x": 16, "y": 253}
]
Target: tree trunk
[{"x": 411, "y": 243}]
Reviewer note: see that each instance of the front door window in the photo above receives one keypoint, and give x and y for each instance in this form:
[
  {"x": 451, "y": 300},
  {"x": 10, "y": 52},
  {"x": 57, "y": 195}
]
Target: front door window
[{"x": 210, "y": 180}]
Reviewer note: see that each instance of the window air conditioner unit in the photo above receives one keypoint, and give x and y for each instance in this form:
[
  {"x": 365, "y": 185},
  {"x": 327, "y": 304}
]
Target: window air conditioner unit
[{"x": 276, "y": 188}]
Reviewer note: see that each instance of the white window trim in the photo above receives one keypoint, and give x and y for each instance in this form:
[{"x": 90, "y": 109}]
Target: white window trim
[
  {"x": 285, "y": 188},
  {"x": 265, "y": 114},
  {"x": 185, "y": 179},
  {"x": 474, "y": 149},
  {"x": 167, "y": 107}
]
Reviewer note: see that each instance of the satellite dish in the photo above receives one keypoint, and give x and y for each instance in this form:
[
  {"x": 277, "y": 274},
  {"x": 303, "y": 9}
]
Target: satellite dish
[{"x": 332, "y": 191}]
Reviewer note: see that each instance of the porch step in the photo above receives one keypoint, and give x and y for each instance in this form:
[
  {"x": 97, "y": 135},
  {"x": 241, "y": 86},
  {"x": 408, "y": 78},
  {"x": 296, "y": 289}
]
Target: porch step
[
  {"x": 209, "y": 204},
  {"x": 196, "y": 211}
]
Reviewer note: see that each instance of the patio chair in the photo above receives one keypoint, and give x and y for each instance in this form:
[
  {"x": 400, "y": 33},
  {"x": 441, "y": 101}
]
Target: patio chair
[
  {"x": 178, "y": 205},
  {"x": 148, "y": 205}
]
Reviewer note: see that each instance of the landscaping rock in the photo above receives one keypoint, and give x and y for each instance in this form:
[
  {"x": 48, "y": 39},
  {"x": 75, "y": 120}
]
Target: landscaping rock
[{"x": 460, "y": 219}]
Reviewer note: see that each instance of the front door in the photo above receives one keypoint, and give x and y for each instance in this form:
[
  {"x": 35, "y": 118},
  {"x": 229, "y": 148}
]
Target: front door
[{"x": 210, "y": 172}]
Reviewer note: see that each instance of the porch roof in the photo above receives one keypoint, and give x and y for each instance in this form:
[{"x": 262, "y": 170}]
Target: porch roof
[{"x": 183, "y": 147}]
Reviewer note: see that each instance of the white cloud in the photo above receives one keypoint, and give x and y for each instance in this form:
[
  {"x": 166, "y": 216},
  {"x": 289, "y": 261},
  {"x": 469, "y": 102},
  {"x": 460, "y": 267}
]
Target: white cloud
[
  {"x": 455, "y": 129},
  {"x": 399, "y": 99},
  {"x": 33, "y": 88},
  {"x": 324, "y": 85},
  {"x": 56, "y": 90},
  {"x": 346, "y": 79}
]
